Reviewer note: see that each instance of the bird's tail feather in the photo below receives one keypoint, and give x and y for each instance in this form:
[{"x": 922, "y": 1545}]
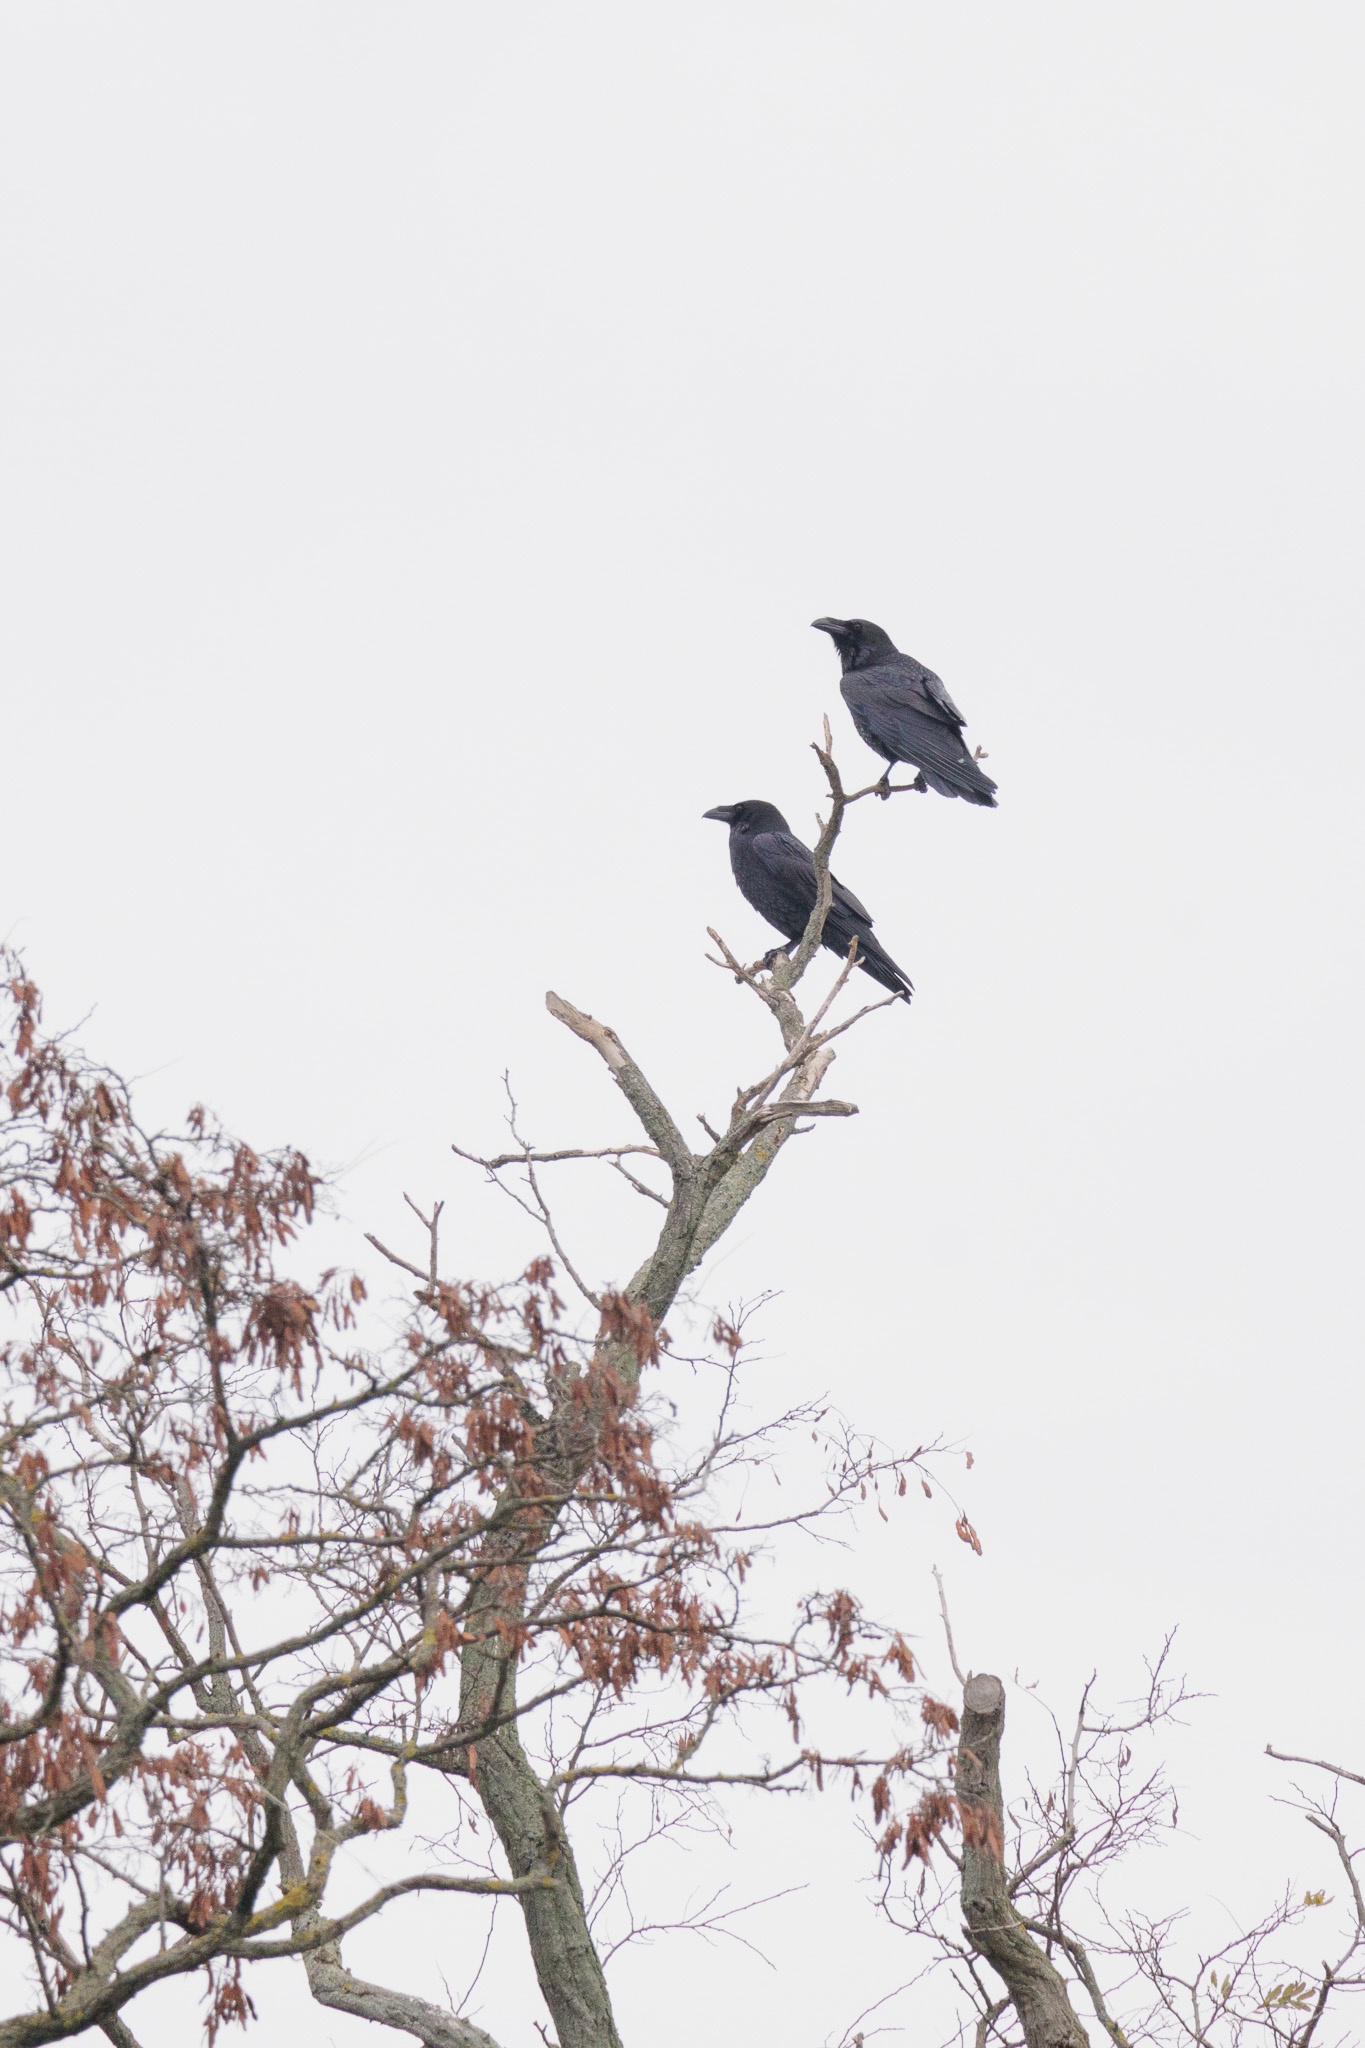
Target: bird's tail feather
[
  {"x": 876, "y": 961},
  {"x": 963, "y": 779}
]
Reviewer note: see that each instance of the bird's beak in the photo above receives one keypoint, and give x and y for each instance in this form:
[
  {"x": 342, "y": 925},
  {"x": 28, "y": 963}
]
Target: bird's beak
[
  {"x": 723, "y": 814},
  {"x": 834, "y": 626}
]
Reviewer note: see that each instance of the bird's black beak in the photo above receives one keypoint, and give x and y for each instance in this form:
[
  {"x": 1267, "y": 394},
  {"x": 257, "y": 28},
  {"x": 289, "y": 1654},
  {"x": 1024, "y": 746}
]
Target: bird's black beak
[
  {"x": 834, "y": 626},
  {"x": 723, "y": 814}
]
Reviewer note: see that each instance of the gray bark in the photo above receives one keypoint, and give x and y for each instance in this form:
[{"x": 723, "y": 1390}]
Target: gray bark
[
  {"x": 708, "y": 1191},
  {"x": 531, "y": 1831},
  {"x": 331, "y": 1983},
  {"x": 996, "y": 1931}
]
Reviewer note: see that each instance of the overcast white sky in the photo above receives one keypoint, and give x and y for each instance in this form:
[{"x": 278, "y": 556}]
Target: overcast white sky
[{"x": 428, "y": 430}]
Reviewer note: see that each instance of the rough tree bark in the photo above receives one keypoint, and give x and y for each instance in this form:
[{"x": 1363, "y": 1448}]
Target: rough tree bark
[
  {"x": 996, "y": 1930},
  {"x": 331, "y": 1983},
  {"x": 708, "y": 1190}
]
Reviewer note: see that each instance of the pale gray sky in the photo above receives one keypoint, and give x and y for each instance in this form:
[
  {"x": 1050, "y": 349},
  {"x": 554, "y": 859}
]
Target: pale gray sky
[{"x": 428, "y": 430}]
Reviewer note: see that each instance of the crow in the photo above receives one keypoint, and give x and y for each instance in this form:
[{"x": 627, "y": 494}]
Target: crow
[
  {"x": 902, "y": 710},
  {"x": 776, "y": 873}
]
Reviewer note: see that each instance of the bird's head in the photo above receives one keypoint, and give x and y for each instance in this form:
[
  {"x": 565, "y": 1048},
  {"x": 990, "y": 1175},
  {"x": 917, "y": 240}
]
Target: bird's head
[
  {"x": 749, "y": 817},
  {"x": 860, "y": 643}
]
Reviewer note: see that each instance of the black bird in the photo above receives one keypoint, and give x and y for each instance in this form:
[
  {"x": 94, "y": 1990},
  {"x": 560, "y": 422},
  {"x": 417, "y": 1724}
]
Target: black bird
[
  {"x": 902, "y": 710},
  {"x": 776, "y": 873}
]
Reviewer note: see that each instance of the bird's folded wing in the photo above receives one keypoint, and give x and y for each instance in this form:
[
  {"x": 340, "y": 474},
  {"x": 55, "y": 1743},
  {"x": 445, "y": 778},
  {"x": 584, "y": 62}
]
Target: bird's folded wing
[
  {"x": 792, "y": 860},
  {"x": 938, "y": 700},
  {"x": 789, "y": 866},
  {"x": 846, "y": 899},
  {"x": 903, "y": 727},
  {"x": 888, "y": 693}
]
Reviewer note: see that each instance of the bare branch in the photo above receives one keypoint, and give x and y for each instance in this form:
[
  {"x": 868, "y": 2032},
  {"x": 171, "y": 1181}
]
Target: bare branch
[
  {"x": 630, "y": 1080},
  {"x": 947, "y": 1627},
  {"x": 1317, "y": 1764}
]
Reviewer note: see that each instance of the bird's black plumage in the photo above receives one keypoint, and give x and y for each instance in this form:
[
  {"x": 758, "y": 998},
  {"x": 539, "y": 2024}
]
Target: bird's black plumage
[
  {"x": 776, "y": 873},
  {"x": 903, "y": 711}
]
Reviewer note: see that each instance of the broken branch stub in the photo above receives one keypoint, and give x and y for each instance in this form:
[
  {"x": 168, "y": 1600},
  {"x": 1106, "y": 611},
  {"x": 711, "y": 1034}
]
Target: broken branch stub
[{"x": 996, "y": 1930}]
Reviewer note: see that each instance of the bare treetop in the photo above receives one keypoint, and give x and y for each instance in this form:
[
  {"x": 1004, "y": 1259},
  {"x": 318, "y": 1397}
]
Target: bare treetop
[{"x": 265, "y": 1573}]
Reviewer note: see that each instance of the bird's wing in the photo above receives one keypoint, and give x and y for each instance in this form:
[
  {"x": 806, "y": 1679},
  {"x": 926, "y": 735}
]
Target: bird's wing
[
  {"x": 936, "y": 695},
  {"x": 795, "y": 859},
  {"x": 788, "y": 871},
  {"x": 780, "y": 883},
  {"x": 848, "y": 901},
  {"x": 906, "y": 685}
]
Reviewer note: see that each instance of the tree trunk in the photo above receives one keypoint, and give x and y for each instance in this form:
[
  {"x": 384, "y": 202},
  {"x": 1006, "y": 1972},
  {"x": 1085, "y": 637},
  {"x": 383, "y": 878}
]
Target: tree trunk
[
  {"x": 532, "y": 1835},
  {"x": 708, "y": 1193},
  {"x": 996, "y": 1930},
  {"x": 525, "y": 1816}
]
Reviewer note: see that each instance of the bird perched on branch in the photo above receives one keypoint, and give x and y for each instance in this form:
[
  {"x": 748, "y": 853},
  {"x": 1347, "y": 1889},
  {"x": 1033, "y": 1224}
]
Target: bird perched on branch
[
  {"x": 902, "y": 710},
  {"x": 776, "y": 873}
]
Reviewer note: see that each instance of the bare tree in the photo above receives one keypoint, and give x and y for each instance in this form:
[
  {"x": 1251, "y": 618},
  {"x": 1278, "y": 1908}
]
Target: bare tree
[
  {"x": 268, "y": 1563},
  {"x": 1035, "y": 1898}
]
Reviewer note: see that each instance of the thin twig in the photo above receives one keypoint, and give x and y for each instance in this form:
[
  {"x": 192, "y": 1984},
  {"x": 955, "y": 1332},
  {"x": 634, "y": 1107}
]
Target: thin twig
[{"x": 948, "y": 1628}]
